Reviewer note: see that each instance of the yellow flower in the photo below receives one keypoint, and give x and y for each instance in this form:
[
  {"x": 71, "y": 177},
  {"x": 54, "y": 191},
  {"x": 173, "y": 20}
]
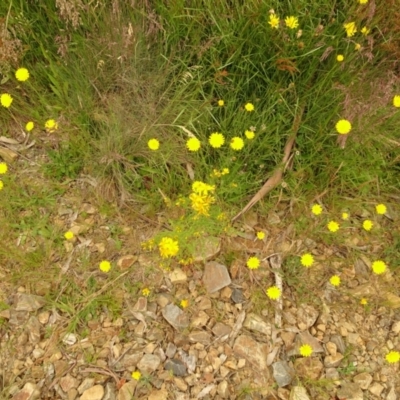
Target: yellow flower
[
  {"x": 145, "y": 292},
  {"x": 237, "y": 143},
  {"x": 345, "y": 215},
  {"x": 292, "y": 22},
  {"x": 22, "y": 74},
  {"x": 168, "y": 247},
  {"x": 378, "y": 267},
  {"x": 307, "y": 260},
  {"x": 225, "y": 171},
  {"x": 253, "y": 263},
  {"x": 363, "y": 1},
  {"x": 216, "y": 140},
  {"x": 51, "y": 125},
  {"x": 396, "y": 100},
  {"x": 260, "y": 235},
  {"x": 202, "y": 188},
  {"x": 3, "y": 168},
  {"x": 365, "y": 31},
  {"x": 350, "y": 28},
  {"x": 367, "y": 225},
  {"x": 381, "y": 209},
  {"x": 273, "y": 21},
  {"x": 340, "y": 57},
  {"x": 335, "y": 280},
  {"x": 249, "y": 107},
  {"x": 221, "y": 103},
  {"x": 316, "y": 209},
  {"x": 184, "y": 303},
  {"x": 69, "y": 235},
  {"x": 343, "y": 126},
  {"x": 6, "y": 100},
  {"x": 201, "y": 203},
  {"x": 363, "y": 301},
  {"x": 105, "y": 266},
  {"x": 306, "y": 350},
  {"x": 392, "y": 357},
  {"x": 333, "y": 226},
  {"x": 153, "y": 144},
  {"x": 273, "y": 292},
  {"x": 136, "y": 375},
  {"x": 357, "y": 46},
  {"x": 249, "y": 134},
  {"x": 193, "y": 144},
  {"x": 29, "y": 126}
]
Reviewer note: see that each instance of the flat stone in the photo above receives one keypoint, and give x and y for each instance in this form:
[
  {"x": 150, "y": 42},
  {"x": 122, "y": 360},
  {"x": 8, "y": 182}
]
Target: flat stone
[
  {"x": 220, "y": 329},
  {"x": 203, "y": 303},
  {"x": 256, "y": 323},
  {"x": 298, "y": 393},
  {"x": 200, "y": 337},
  {"x": 306, "y": 315},
  {"x": 338, "y": 340},
  {"x": 177, "y": 276},
  {"x": 96, "y": 392},
  {"x": 332, "y": 374},
  {"x": 392, "y": 394},
  {"x": 177, "y": 367},
  {"x": 200, "y": 319},
  {"x": 126, "y": 262},
  {"x": 222, "y": 389},
  {"x": 308, "y": 367},
  {"x": 331, "y": 348},
  {"x": 363, "y": 380},
  {"x": 28, "y": 302},
  {"x": 396, "y": 327},
  {"x": 350, "y": 391},
  {"x": 376, "y": 389},
  {"x": 109, "y": 393},
  {"x": 149, "y": 363},
  {"x": 86, "y": 384},
  {"x": 215, "y": 277},
  {"x": 283, "y": 373},
  {"x": 175, "y": 316},
  {"x": 237, "y": 296},
  {"x": 206, "y": 248},
  {"x": 33, "y": 328},
  {"x": 127, "y": 390},
  {"x": 333, "y": 361},
  {"x": 254, "y": 352},
  {"x": 30, "y": 391},
  {"x": 158, "y": 395},
  {"x": 171, "y": 350},
  {"x": 68, "y": 382},
  {"x": 72, "y": 394}
]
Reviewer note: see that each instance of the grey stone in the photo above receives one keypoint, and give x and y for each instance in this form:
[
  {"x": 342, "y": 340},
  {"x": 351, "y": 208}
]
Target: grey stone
[
  {"x": 237, "y": 296},
  {"x": 176, "y": 366},
  {"x": 338, "y": 340},
  {"x": 189, "y": 360},
  {"x": 254, "y": 352},
  {"x": 109, "y": 393},
  {"x": 171, "y": 350},
  {"x": 363, "y": 380},
  {"x": 298, "y": 393},
  {"x": 175, "y": 316},
  {"x": 28, "y": 302},
  {"x": 349, "y": 391},
  {"x": 149, "y": 363},
  {"x": 308, "y": 367},
  {"x": 94, "y": 393},
  {"x": 220, "y": 329},
  {"x": 215, "y": 277},
  {"x": 200, "y": 337},
  {"x": 306, "y": 315},
  {"x": 283, "y": 373},
  {"x": 256, "y": 323}
]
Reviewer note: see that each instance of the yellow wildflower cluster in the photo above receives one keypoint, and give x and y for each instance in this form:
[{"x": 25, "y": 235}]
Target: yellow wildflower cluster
[
  {"x": 200, "y": 198},
  {"x": 218, "y": 173},
  {"x": 168, "y": 247}
]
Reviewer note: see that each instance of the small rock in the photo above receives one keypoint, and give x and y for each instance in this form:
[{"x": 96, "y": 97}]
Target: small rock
[
  {"x": 176, "y": 366},
  {"x": 149, "y": 363},
  {"x": 158, "y": 395},
  {"x": 222, "y": 389},
  {"x": 332, "y": 374},
  {"x": 68, "y": 382},
  {"x": 331, "y": 348},
  {"x": 376, "y": 389},
  {"x": 392, "y": 394},
  {"x": 189, "y": 360},
  {"x": 43, "y": 317},
  {"x": 175, "y": 316},
  {"x": 126, "y": 262},
  {"x": 127, "y": 390},
  {"x": 163, "y": 299},
  {"x": 215, "y": 277},
  {"x": 180, "y": 384},
  {"x": 308, "y": 367},
  {"x": 396, "y": 327},
  {"x": 171, "y": 350},
  {"x": 298, "y": 393},
  {"x": 109, "y": 393},
  {"x": 30, "y": 391},
  {"x": 307, "y": 315},
  {"x": 256, "y": 323},
  {"x": 237, "y": 296},
  {"x": 393, "y": 301},
  {"x": 350, "y": 391},
  {"x": 28, "y": 302},
  {"x": 69, "y": 339},
  {"x": 96, "y": 392},
  {"x": 255, "y": 352},
  {"x": 333, "y": 361},
  {"x": 200, "y": 320},
  {"x": 203, "y": 303},
  {"x": 86, "y": 384},
  {"x": 72, "y": 394},
  {"x": 283, "y": 394},
  {"x": 363, "y": 380},
  {"x": 220, "y": 330},
  {"x": 140, "y": 305},
  {"x": 338, "y": 340},
  {"x": 283, "y": 373},
  {"x": 206, "y": 249},
  {"x": 177, "y": 276},
  {"x": 33, "y": 327},
  {"x": 200, "y": 337}
]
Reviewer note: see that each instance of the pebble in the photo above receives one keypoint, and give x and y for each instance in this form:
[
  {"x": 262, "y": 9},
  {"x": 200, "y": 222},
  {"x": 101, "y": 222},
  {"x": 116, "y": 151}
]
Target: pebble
[
  {"x": 215, "y": 277},
  {"x": 176, "y": 366},
  {"x": 175, "y": 316},
  {"x": 94, "y": 393}
]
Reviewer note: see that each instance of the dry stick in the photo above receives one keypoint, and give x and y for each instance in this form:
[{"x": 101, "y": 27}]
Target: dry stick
[{"x": 277, "y": 175}]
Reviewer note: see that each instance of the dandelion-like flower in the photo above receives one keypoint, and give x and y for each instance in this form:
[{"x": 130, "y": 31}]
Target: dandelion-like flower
[
  {"x": 136, "y": 375},
  {"x": 333, "y": 226},
  {"x": 22, "y": 74},
  {"x": 69, "y": 235},
  {"x": 249, "y": 134},
  {"x": 51, "y": 125},
  {"x": 253, "y": 263},
  {"x": 307, "y": 260},
  {"x": 396, "y": 100},
  {"x": 201, "y": 203},
  {"x": 184, "y": 303},
  {"x": 335, "y": 280},
  {"x": 365, "y": 31},
  {"x": 273, "y": 292},
  {"x": 260, "y": 235},
  {"x": 392, "y": 357},
  {"x": 357, "y": 46},
  {"x": 105, "y": 266},
  {"x": 363, "y": 301},
  {"x": 168, "y": 247},
  {"x": 378, "y": 267},
  {"x": 216, "y": 140},
  {"x": 3, "y": 168},
  {"x": 249, "y": 107},
  {"x": 6, "y": 100},
  {"x": 316, "y": 209},
  {"x": 193, "y": 144},
  {"x": 367, "y": 224},
  {"x": 340, "y": 57},
  {"x": 292, "y": 22},
  {"x": 145, "y": 292},
  {"x": 237, "y": 143},
  {"x": 273, "y": 21},
  {"x": 153, "y": 144},
  {"x": 202, "y": 188},
  {"x": 363, "y": 1},
  {"x": 380, "y": 209},
  {"x": 345, "y": 216},
  {"x": 351, "y": 28},
  {"x": 306, "y": 350},
  {"x": 29, "y": 126},
  {"x": 221, "y": 103},
  {"x": 343, "y": 126}
]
